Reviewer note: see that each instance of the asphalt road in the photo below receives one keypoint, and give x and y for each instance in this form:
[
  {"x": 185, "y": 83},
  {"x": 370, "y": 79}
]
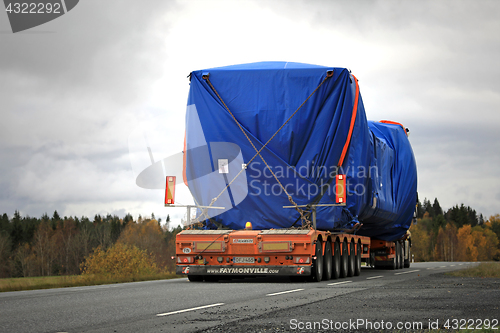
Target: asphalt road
[{"x": 417, "y": 294}]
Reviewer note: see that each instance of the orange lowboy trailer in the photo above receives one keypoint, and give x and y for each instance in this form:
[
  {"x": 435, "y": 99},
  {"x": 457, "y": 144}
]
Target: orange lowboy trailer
[{"x": 313, "y": 254}]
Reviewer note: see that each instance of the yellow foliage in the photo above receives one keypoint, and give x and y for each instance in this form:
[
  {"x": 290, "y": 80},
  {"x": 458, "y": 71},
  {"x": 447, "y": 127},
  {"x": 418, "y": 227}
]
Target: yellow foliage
[
  {"x": 119, "y": 260},
  {"x": 147, "y": 235},
  {"x": 420, "y": 242},
  {"x": 486, "y": 241},
  {"x": 467, "y": 251},
  {"x": 446, "y": 243}
]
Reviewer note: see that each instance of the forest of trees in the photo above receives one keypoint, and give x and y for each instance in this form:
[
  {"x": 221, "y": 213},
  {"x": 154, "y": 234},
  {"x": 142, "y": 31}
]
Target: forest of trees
[
  {"x": 458, "y": 234},
  {"x": 59, "y": 245}
]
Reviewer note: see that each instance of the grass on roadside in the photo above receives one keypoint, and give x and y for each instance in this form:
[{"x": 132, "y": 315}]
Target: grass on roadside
[
  {"x": 47, "y": 282},
  {"x": 483, "y": 270}
]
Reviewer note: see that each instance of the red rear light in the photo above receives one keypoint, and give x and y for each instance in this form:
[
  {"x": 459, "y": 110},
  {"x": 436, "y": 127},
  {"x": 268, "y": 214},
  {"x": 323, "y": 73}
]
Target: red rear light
[
  {"x": 301, "y": 260},
  {"x": 185, "y": 260}
]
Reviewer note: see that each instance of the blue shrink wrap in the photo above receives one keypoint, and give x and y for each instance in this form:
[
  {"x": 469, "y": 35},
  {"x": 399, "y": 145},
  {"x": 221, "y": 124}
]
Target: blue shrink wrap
[{"x": 233, "y": 111}]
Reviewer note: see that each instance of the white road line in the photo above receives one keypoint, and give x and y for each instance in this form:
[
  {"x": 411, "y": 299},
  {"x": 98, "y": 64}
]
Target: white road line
[
  {"x": 460, "y": 264},
  {"x": 452, "y": 265},
  {"x": 374, "y": 277},
  {"x": 333, "y": 284},
  {"x": 417, "y": 270},
  {"x": 187, "y": 310},
  {"x": 442, "y": 266},
  {"x": 284, "y": 292}
]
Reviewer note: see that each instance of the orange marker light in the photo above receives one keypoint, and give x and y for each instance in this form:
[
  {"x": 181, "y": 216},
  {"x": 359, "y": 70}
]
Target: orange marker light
[
  {"x": 340, "y": 189},
  {"x": 170, "y": 191},
  {"x": 248, "y": 226}
]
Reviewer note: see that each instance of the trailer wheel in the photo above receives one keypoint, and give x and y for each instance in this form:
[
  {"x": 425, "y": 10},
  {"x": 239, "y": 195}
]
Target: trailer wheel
[
  {"x": 344, "y": 261},
  {"x": 336, "y": 260},
  {"x": 195, "y": 278},
  {"x": 372, "y": 260},
  {"x": 318, "y": 263},
  {"x": 401, "y": 255},
  {"x": 357, "y": 268},
  {"x": 395, "y": 260},
  {"x": 352, "y": 260},
  {"x": 327, "y": 261},
  {"x": 407, "y": 261}
]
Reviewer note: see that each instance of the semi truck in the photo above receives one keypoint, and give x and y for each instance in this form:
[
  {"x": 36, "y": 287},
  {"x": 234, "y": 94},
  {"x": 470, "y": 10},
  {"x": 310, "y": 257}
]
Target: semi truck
[{"x": 289, "y": 178}]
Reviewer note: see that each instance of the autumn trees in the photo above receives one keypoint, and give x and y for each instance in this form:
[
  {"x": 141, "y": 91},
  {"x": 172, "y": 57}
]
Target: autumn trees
[
  {"x": 59, "y": 245},
  {"x": 458, "y": 234}
]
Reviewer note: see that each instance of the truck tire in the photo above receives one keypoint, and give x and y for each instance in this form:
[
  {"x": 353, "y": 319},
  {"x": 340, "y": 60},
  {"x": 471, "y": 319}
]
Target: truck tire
[
  {"x": 327, "y": 262},
  {"x": 401, "y": 255},
  {"x": 372, "y": 260},
  {"x": 344, "y": 260},
  {"x": 195, "y": 278},
  {"x": 357, "y": 268},
  {"x": 395, "y": 261},
  {"x": 352, "y": 260},
  {"x": 407, "y": 261},
  {"x": 336, "y": 260},
  {"x": 318, "y": 263}
]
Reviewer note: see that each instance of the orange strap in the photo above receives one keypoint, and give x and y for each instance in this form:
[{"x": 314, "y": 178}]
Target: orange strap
[
  {"x": 351, "y": 127},
  {"x": 393, "y": 123}
]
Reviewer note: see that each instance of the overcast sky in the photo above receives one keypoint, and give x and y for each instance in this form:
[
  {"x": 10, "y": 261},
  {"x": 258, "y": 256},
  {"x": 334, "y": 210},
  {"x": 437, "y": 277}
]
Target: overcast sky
[{"x": 82, "y": 96}]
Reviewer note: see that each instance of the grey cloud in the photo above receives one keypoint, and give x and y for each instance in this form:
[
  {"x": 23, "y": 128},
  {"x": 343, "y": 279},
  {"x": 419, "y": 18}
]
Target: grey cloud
[{"x": 69, "y": 98}]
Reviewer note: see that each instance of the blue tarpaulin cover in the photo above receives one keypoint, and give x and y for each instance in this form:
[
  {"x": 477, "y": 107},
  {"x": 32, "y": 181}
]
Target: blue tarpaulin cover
[{"x": 304, "y": 155}]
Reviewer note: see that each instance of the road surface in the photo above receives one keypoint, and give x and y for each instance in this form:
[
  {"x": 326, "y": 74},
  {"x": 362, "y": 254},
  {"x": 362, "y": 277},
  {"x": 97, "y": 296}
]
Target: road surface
[{"x": 249, "y": 304}]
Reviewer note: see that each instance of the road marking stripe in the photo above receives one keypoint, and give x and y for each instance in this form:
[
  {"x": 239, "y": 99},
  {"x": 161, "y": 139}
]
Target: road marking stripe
[
  {"x": 417, "y": 270},
  {"x": 333, "y": 284},
  {"x": 285, "y": 292},
  {"x": 442, "y": 266},
  {"x": 186, "y": 310},
  {"x": 452, "y": 265},
  {"x": 374, "y": 277}
]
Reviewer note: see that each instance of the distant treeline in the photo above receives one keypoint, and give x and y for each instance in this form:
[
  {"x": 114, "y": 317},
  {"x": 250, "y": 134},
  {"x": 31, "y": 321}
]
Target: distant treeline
[
  {"x": 458, "y": 234},
  {"x": 59, "y": 245}
]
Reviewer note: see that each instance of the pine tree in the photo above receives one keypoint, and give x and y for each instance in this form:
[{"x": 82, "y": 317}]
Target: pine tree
[
  {"x": 428, "y": 208},
  {"x": 437, "y": 208},
  {"x": 420, "y": 209},
  {"x": 5, "y": 224},
  {"x": 55, "y": 220}
]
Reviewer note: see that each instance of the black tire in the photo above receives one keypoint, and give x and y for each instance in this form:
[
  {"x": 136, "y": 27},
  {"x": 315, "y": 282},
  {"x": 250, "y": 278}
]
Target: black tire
[
  {"x": 327, "y": 262},
  {"x": 398, "y": 255},
  {"x": 395, "y": 260},
  {"x": 318, "y": 263},
  {"x": 372, "y": 260},
  {"x": 344, "y": 260},
  {"x": 352, "y": 260},
  {"x": 408, "y": 261},
  {"x": 357, "y": 268},
  {"x": 195, "y": 278},
  {"x": 336, "y": 260},
  {"x": 401, "y": 255}
]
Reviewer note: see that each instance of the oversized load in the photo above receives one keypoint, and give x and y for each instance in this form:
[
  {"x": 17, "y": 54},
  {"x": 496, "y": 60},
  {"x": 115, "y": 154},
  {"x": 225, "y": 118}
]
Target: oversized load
[{"x": 264, "y": 136}]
